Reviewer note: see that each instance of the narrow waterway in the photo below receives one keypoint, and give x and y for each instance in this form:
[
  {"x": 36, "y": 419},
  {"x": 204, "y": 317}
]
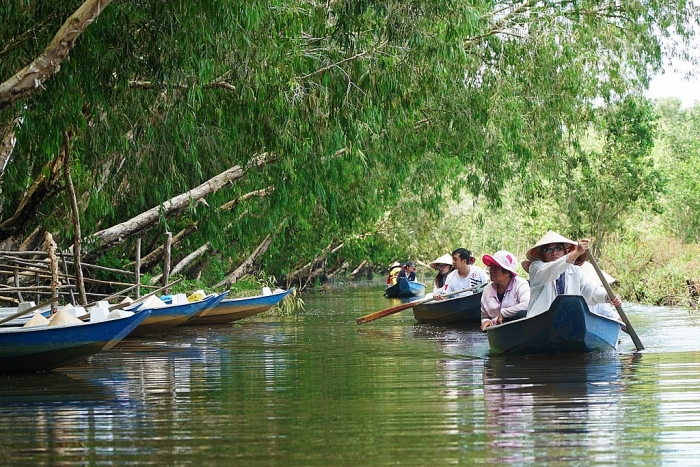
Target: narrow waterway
[{"x": 316, "y": 389}]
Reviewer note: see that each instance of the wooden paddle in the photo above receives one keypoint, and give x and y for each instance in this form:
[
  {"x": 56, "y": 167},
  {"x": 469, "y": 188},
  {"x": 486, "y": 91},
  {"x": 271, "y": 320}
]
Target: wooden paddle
[
  {"x": 390, "y": 311},
  {"x": 28, "y": 310},
  {"x": 608, "y": 289}
]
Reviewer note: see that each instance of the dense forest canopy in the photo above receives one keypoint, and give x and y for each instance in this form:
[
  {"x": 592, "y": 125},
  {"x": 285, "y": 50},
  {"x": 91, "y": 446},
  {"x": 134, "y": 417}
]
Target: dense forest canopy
[{"x": 333, "y": 119}]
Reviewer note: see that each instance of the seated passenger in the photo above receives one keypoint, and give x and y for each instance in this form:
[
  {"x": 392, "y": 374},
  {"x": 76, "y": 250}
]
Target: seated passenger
[
  {"x": 393, "y": 273},
  {"x": 443, "y": 265},
  {"x": 408, "y": 271},
  {"x": 465, "y": 275},
  {"x": 507, "y": 296}
]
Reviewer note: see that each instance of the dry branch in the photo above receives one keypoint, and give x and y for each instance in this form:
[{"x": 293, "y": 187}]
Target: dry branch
[
  {"x": 247, "y": 264},
  {"x": 179, "y": 267},
  {"x": 118, "y": 233},
  {"x": 42, "y": 188},
  {"x": 31, "y": 77}
]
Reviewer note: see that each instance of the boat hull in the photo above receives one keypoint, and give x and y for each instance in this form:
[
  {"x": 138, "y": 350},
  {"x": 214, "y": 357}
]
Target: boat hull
[
  {"x": 48, "y": 347},
  {"x": 234, "y": 309},
  {"x": 460, "y": 310},
  {"x": 174, "y": 315},
  {"x": 568, "y": 326},
  {"x": 405, "y": 288}
]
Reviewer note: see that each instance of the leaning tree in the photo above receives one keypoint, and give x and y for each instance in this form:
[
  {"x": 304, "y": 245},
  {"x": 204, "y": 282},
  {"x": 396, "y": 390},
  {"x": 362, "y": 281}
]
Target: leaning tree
[{"x": 351, "y": 104}]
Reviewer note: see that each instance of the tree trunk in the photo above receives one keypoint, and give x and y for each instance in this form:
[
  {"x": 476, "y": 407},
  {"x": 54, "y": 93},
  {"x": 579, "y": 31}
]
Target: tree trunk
[
  {"x": 53, "y": 261},
  {"x": 31, "y": 77},
  {"x": 118, "y": 233},
  {"x": 246, "y": 265},
  {"x": 7, "y": 145},
  {"x": 358, "y": 269},
  {"x": 42, "y": 188},
  {"x": 34, "y": 239},
  {"x": 231, "y": 205},
  {"x": 137, "y": 268}
]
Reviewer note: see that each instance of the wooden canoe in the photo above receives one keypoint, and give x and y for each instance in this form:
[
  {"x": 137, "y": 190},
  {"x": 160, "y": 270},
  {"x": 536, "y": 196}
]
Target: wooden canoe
[
  {"x": 460, "y": 310},
  {"x": 234, "y": 309},
  {"x": 170, "y": 315},
  {"x": 42, "y": 348},
  {"x": 568, "y": 326},
  {"x": 405, "y": 288}
]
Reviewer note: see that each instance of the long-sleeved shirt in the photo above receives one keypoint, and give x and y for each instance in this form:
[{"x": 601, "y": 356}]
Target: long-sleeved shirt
[
  {"x": 543, "y": 289},
  {"x": 515, "y": 299}
]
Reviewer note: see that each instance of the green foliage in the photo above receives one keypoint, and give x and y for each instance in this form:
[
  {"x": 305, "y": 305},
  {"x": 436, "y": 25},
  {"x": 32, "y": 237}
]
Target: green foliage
[
  {"x": 678, "y": 156},
  {"x": 602, "y": 186},
  {"x": 356, "y": 101}
]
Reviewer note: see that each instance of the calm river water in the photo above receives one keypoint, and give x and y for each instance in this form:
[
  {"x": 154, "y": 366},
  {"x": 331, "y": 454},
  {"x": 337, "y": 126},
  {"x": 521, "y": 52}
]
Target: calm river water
[{"x": 315, "y": 389}]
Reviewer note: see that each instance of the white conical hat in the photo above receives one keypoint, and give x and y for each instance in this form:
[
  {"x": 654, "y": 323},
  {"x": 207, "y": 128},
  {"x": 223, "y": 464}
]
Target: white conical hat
[
  {"x": 550, "y": 237},
  {"x": 444, "y": 259},
  {"x": 36, "y": 320},
  {"x": 63, "y": 317}
]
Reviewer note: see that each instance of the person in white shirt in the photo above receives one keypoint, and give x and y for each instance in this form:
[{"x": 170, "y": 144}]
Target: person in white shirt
[
  {"x": 552, "y": 273},
  {"x": 465, "y": 275},
  {"x": 443, "y": 266}
]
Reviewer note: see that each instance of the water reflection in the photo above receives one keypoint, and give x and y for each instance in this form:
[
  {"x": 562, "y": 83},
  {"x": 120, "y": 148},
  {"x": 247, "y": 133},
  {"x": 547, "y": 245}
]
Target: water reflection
[
  {"x": 315, "y": 389},
  {"x": 538, "y": 406}
]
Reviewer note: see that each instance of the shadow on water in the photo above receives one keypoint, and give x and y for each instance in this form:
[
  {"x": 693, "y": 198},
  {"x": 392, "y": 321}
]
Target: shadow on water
[{"x": 52, "y": 387}]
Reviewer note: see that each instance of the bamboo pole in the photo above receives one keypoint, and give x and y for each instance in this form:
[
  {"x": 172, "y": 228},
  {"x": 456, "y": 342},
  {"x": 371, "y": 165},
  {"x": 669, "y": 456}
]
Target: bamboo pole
[
  {"x": 72, "y": 295},
  {"x": 137, "y": 268},
  {"x": 166, "y": 260},
  {"x": 19, "y": 293}
]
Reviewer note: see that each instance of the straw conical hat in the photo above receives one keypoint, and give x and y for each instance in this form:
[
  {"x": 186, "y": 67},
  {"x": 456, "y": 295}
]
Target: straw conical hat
[
  {"x": 63, "y": 317},
  {"x": 550, "y": 237},
  {"x": 37, "y": 320},
  {"x": 444, "y": 259}
]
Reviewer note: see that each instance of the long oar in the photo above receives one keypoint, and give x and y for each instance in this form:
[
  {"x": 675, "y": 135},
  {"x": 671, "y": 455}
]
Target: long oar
[
  {"x": 28, "y": 310},
  {"x": 630, "y": 329},
  {"x": 396, "y": 309}
]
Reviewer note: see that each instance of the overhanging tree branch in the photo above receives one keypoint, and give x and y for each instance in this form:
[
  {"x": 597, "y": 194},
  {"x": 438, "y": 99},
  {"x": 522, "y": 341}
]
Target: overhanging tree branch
[
  {"x": 118, "y": 233},
  {"x": 31, "y": 77}
]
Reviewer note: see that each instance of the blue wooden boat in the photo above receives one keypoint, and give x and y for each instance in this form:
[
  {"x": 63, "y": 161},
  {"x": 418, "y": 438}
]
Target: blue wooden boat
[
  {"x": 460, "y": 310},
  {"x": 568, "y": 326},
  {"x": 234, "y": 309},
  {"x": 405, "y": 288},
  {"x": 44, "y": 348},
  {"x": 174, "y": 314}
]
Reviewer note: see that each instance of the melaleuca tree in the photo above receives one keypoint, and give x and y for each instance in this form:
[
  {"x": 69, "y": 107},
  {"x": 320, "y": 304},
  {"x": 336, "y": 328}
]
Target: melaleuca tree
[{"x": 353, "y": 101}]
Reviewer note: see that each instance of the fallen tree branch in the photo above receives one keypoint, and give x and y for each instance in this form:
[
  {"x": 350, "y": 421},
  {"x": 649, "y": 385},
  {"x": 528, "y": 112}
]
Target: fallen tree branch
[
  {"x": 247, "y": 264},
  {"x": 184, "y": 262},
  {"x": 117, "y": 234},
  {"x": 43, "y": 188}
]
